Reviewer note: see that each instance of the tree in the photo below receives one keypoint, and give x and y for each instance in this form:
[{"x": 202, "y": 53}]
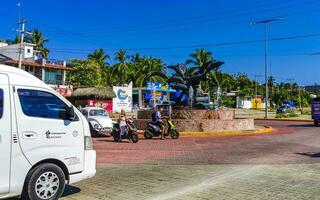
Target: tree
[
  {"x": 221, "y": 82},
  {"x": 100, "y": 57},
  {"x": 151, "y": 69},
  {"x": 199, "y": 58},
  {"x": 85, "y": 73},
  {"x": 37, "y": 38},
  {"x": 121, "y": 69}
]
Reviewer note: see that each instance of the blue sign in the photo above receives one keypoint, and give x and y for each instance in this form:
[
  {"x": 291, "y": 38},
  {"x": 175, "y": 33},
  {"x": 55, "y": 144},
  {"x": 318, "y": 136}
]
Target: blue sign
[{"x": 122, "y": 95}]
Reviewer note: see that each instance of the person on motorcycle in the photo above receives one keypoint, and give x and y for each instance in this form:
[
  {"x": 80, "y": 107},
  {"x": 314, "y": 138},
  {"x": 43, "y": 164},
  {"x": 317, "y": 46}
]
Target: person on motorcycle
[
  {"x": 122, "y": 123},
  {"x": 157, "y": 118}
]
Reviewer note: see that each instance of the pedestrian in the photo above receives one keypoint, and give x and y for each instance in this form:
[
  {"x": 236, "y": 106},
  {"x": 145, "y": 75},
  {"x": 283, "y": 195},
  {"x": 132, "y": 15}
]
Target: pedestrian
[{"x": 122, "y": 123}]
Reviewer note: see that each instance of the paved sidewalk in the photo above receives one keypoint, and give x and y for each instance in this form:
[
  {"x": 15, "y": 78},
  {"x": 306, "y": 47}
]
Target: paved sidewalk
[{"x": 201, "y": 182}]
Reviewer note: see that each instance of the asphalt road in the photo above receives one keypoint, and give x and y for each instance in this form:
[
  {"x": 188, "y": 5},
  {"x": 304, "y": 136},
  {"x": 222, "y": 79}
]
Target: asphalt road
[{"x": 283, "y": 164}]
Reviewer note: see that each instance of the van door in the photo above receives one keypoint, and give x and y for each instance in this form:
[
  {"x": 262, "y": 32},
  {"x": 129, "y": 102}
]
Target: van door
[
  {"x": 45, "y": 131},
  {"x": 5, "y": 134}
]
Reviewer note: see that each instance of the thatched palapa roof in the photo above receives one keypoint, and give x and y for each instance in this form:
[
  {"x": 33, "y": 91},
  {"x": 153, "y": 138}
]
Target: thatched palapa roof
[{"x": 101, "y": 93}]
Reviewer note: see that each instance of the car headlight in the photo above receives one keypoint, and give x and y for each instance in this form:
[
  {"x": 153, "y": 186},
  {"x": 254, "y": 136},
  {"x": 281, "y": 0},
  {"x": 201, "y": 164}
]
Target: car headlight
[{"x": 88, "y": 144}]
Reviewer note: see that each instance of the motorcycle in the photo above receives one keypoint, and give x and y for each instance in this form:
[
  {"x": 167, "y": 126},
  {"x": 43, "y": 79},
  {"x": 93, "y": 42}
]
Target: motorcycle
[
  {"x": 130, "y": 133},
  {"x": 153, "y": 130}
]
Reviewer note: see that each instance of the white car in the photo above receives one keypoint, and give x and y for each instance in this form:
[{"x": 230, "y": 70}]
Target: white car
[
  {"x": 99, "y": 119},
  {"x": 44, "y": 141}
]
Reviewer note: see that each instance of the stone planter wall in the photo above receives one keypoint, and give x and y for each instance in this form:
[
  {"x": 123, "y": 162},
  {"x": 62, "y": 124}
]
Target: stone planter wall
[
  {"x": 206, "y": 125},
  {"x": 201, "y": 120},
  {"x": 193, "y": 114}
]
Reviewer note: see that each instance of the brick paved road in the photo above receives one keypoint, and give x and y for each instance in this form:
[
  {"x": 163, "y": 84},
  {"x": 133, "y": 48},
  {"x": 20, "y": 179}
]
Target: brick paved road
[{"x": 284, "y": 164}]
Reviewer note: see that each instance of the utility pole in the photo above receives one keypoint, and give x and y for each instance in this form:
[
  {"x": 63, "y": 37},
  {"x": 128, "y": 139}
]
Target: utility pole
[
  {"x": 266, "y": 23},
  {"x": 256, "y": 90},
  {"x": 21, "y": 31}
]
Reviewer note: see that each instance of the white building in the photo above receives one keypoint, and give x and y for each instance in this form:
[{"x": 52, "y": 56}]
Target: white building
[{"x": 52, "y": 72}]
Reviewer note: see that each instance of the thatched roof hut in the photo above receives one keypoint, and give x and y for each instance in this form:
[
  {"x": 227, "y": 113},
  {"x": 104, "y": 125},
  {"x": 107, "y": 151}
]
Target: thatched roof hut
[{"x": 101, "y": 93}]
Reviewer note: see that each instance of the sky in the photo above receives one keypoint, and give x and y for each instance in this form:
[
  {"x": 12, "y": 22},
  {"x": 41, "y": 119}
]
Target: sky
[{"x": 173, "y": 29}]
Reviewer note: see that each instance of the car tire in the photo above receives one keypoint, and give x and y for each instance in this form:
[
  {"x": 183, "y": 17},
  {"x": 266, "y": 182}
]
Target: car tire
[
  {"x": 316, "y": 123},
  {"x": 44, "y": 182},
  {"x": 94, "y": 133}
]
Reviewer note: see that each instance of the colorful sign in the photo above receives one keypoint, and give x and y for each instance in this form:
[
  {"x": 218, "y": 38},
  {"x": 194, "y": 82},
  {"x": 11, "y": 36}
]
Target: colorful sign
[
  {"x": 123, "y": 100},
  {"x": 105, "y": 104}
]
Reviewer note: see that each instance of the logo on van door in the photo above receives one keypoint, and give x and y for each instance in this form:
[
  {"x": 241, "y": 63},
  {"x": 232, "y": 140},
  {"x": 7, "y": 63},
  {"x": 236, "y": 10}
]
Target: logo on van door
[{"x": 51, "y": 135}]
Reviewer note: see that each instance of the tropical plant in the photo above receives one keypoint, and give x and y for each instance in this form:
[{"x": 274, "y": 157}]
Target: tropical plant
[
  {"x": 151, "y": 70},
  {"x": 121, "y": 69},
  {"x": 199, "y": 58},
  {"x": 100, "y": 57},
  {"x": 38, "y": 40},
  {"x": 85, "y": 73}
]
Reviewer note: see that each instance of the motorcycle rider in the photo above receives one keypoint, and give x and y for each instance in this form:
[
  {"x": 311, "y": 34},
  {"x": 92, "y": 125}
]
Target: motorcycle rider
[{"x": 157, "y": 118}]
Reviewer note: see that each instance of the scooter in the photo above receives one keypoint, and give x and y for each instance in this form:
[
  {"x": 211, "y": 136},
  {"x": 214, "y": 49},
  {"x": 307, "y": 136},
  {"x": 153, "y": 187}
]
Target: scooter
[
  {"x": 130, "y": 133},
  {"x": 153, "y": 130}
]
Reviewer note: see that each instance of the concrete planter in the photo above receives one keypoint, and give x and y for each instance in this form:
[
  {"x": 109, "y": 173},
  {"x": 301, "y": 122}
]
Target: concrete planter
[{"x": 201, "y": 120}]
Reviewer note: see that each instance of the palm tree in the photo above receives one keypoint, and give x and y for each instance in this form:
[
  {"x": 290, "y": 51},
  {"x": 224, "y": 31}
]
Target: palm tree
[
  {"x": 199, "y": 58},
  {"x": 100, "y": 57},
  {"x": 222, "y": 82},
  {"x": 121, "y": 69},
  {"x": 151, "y": 69},
  {"x": 37, "y": 38}
]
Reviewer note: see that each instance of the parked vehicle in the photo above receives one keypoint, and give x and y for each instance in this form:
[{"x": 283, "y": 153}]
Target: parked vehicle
[
  {"x": 130, "y": 134},
  {"x": 153, "y": 130},
  {"x": 315, "y": 111},
  {"x": 45, "y": 142},
  {"x": 99, "y": 120},
  {"x": 285, "y": 108}
]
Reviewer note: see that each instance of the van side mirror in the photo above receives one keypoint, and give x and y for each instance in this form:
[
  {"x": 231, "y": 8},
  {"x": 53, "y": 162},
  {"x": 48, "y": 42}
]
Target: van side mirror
[{"x": 71, "y": 114}]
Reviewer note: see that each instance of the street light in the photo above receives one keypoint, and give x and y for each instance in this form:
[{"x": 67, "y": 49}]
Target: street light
[{"x": 266, "y": 22}]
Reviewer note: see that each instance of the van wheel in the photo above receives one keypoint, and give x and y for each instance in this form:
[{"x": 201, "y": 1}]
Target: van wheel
[{"x": 45, "y": 182}]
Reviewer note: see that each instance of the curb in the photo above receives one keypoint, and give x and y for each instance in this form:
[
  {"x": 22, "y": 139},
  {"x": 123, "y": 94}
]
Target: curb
[
  {"x": 285, "y": 120},
  {"x": 266, "y": 129}
]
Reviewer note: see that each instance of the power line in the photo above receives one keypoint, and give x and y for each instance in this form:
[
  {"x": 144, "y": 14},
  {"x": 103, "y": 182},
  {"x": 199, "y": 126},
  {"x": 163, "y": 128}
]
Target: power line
[
  {"x": 111, "y": 33},
  {"x": 214, "y": 14},
  {"x": 200, "y": 45}
]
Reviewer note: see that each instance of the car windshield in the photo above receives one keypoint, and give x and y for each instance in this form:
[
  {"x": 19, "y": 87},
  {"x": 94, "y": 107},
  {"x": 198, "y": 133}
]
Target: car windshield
[{"x": 98, "y": 112}]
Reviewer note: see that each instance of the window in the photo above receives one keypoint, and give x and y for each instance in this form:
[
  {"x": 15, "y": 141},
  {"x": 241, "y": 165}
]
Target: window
[
  {"x": 85, "y": 113},
  {"x": 1, "y": 103},
  {"x": 99, "y": 112},
  {"x": 42, "y": 104}
]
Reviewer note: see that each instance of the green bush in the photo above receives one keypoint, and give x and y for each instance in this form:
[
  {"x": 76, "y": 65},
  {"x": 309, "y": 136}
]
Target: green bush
[{"x": 287, "y": 115}]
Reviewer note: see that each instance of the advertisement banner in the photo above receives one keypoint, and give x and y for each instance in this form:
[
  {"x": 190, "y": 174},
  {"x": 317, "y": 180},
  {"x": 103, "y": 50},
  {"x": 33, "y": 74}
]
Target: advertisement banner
[
  {"x": 105, "y": 104},
  {"x": 123, "y": 99}
]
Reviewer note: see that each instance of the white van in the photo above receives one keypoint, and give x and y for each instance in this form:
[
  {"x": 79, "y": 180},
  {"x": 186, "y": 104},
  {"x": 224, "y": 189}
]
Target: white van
[{"x": 44, "y": 141}]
